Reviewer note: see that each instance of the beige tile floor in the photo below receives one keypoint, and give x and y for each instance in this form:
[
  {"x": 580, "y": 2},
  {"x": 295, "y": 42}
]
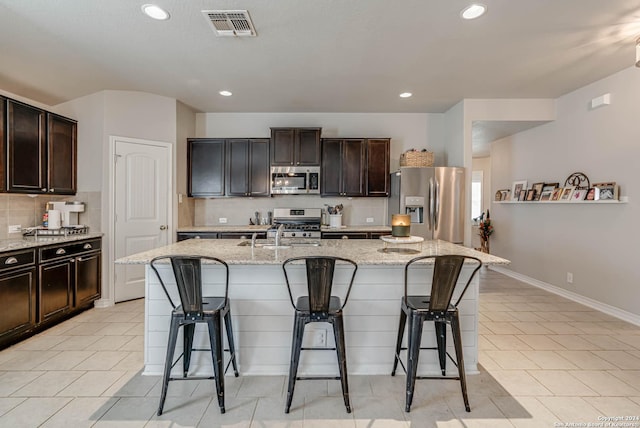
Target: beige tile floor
[{"x": 544, "y": 361}]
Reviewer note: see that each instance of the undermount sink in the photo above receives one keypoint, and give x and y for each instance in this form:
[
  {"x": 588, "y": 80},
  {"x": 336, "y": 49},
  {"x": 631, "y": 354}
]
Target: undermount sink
[{"x": 270, "y": 246}]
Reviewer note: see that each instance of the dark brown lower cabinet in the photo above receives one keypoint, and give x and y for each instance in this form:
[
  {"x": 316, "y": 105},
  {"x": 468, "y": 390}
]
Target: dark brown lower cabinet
[
  {"x": 17, "y": 294},
  {"x": 55, "y": 289},
  {"x": 40, "y": 291}
]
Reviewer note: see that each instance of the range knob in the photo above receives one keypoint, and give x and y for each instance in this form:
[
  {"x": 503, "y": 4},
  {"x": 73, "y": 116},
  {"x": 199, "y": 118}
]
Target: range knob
[{"x": 293, "y": 234}]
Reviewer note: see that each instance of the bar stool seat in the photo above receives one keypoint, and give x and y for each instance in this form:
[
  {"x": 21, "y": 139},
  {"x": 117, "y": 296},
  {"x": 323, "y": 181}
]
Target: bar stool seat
[
  {"x": 436, "y": 307},
  {"x": 319, "y": 305},
  {"x": 194, "y": 309}
]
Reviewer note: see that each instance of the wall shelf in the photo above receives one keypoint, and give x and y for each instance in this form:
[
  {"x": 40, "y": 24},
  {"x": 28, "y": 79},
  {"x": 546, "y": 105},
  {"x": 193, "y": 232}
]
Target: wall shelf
[{"x": 561, "y": 202}]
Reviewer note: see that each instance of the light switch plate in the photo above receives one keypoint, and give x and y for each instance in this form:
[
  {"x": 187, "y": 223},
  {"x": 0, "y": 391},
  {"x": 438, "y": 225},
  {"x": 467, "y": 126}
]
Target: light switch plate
[
  {"x": 222, "y": 220},
  {"x": 369, "y": 219},
  {"x": 15, "y": 228}
]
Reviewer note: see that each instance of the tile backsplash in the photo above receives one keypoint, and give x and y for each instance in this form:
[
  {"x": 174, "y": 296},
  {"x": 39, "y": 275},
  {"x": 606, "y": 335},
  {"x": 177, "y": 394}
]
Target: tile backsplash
[
  {"x": 26, "y": 211},
  {"x": 238, "y": 211}
]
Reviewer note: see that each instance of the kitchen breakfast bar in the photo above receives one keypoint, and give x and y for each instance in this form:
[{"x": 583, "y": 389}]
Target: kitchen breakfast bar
[{"x": 262, "y": 314}]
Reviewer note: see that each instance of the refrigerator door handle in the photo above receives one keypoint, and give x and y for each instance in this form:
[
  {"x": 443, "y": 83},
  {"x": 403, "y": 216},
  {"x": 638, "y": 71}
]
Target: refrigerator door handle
[
  {"x": 431, "y": 204},
  {"x": 436, "y": 212}
]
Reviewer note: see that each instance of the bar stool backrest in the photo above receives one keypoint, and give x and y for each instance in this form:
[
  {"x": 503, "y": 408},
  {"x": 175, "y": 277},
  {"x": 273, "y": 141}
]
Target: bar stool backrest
[
  {"x": 187, "y": 271},
  {"x": 320, "y": 272},
  {"x": 446, "y": 272}
]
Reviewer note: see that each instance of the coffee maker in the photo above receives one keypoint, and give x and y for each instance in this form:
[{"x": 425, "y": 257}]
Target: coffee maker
[{"x": 68, "y": 211}]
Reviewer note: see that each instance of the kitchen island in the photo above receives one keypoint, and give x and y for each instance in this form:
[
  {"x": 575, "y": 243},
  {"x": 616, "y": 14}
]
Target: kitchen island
[{"x": 263, "y": 316}]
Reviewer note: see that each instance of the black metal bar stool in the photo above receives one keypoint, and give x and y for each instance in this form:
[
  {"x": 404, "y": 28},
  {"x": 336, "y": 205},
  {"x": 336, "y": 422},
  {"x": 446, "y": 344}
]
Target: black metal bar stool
[
  {"x": 194, "y": 309},
  {"x": 319, "y": 305},
  {"x": 437, "y": 307}
]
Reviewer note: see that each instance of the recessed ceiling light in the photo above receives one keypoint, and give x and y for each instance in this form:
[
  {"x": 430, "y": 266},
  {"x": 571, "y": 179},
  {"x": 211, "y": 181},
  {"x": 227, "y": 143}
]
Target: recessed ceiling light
[
  {"x": 225, "y": 93},
  {"x": 405, "y": 94},
  {"x": 473, "y": 11},
  {"x": 155, "y": 12}
]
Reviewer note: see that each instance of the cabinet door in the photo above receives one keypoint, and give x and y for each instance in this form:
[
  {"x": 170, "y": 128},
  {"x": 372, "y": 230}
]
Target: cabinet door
[
  {"x": 282, "y": 146},
  {"x": 18, "y": 297},
  {"x": 55, "y": 289},
  {"x": 205, "y": 167},
  {"x": 344, "y": 235},
  {"x": 26, "y": 157},
  {"x": 87, "y": 279},
  {"x": 330, "y": 171},
  {"x": 353, "y": 167},
  {"x": 377, "y": 171},
  {"x": 237, "y": 182},
  {"x": 259, "y": 174},
  {"x": 183, "y": 236},
  {"x": 3, "y": 159},
  {"x": 61, "y": 150},
  {"x": 307, "y": 147}
]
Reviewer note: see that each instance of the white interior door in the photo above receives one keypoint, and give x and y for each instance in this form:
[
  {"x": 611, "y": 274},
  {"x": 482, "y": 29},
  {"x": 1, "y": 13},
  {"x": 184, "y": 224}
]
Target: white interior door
[{"x": 142, "y": 184}]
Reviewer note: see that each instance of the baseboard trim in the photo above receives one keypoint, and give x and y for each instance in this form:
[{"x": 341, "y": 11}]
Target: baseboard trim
[
  {"x": 103, "y": 303},
  {"x": 594, "y": 304}
]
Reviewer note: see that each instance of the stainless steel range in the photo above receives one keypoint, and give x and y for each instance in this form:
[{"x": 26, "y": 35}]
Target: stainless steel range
[{"x": 296, "y": 223}]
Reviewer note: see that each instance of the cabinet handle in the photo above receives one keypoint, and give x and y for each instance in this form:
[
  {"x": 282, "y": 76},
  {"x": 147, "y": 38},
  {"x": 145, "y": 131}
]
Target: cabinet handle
[
  {"x": 60, "y": 251},
  {"x": 79, "y": 259},
  {"x": 87, "y": 246},
  {"x": 11, "y": 261},
  {"x": 52, "y": 190},
  {"x": 163, "y": 227},
  {"x": 43, "y": 189},
  {"x": 72, "y": 260},
  {"x": 197, "y": 237},
  {"x": 345, "y": 237}
]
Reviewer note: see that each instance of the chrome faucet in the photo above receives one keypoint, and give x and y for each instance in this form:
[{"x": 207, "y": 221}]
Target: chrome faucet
[
  {"x": 253, "y": 240},
  {"x": 279, "y": 234}
]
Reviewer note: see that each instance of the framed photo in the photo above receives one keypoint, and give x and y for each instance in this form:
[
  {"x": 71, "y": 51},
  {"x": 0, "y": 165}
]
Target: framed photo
[
  {"x": 516, "y": 188},
  {"x": 546, "y": 195},
  {"x": 557, "y": 192},
  {"x": 523, "y": 195},
  {"x": 550, "y": 186},
  {"x": 498, "y": 196},
  {"x": 578, "y": 195},
  {"x": 537, "y": 191},
  {"x": 566, "y": 193},
  {"x": 593, "y": 194},
  {"x": 531, "y": 194},
  {"x": 506, "y": 194},
  {"x": 608, "y": 191}
]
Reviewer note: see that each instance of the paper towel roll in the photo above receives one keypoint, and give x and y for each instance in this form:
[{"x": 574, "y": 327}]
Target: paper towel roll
[{"x": 54, "y": 219}]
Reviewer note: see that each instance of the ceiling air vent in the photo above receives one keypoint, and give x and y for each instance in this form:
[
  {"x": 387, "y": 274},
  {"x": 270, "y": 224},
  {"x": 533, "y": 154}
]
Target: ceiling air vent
[{"x": 230, "y": 23}]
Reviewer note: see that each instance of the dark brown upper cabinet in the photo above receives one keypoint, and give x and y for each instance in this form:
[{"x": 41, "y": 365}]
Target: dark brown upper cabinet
[
  {"x": 40, "y": 151},
  {"x": 343, "y": 167},
  {"x": 355, "y": 167},
  {"x": 247, "y": 167},
  {"x": 295, "y": 146},
  {"x": 228, "y": 167},
  {"x": 205, "y": 164},
  {"x": 377, "y": 175}
]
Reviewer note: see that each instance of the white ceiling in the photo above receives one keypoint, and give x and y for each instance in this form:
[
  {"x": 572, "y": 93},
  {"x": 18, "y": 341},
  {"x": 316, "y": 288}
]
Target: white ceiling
[{"x": 315, "y": 56}]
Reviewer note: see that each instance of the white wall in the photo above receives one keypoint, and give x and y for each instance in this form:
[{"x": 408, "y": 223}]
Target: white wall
[{"x": 597, "y": 243}]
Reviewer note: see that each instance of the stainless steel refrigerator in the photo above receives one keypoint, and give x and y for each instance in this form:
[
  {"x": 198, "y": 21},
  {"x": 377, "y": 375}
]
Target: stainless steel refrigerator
[{"x": 435, "y": 199}]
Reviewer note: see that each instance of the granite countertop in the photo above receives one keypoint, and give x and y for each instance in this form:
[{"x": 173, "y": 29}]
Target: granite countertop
[
  {"x": 259, "y": 228},
  {"x": 41, "y": 241},
  {"x": 362, "y": 251}
]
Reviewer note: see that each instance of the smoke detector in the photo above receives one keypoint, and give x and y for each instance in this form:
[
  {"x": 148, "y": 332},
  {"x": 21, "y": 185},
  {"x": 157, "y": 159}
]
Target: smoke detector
[{"x": 227, "y": 23}]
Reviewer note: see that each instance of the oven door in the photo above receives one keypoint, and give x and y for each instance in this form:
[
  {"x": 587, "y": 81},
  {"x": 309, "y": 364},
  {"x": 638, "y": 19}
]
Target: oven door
[{"x": 288, "y": 183}]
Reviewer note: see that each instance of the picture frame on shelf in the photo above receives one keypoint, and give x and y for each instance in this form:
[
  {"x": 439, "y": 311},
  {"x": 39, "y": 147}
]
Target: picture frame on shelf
[
  {"x": 550, "y": 186},
  {"x": 516, "y": 188},
  {"x": 531, "y": 194},
  {"x": 557, "y": 192},
  {"x": 523, "y": 195},
  {"x": 498, "y": 196},
  {"x": 546, "y": 195},
  {"x": 506, "y": 194},
  {"x": 593, "y": 194},
  {"x": 537, "y": 191},
  {"x": 566, "y": 193},
  {"x": 608, "y": 191},
  {"x": 579, "y": 195}
]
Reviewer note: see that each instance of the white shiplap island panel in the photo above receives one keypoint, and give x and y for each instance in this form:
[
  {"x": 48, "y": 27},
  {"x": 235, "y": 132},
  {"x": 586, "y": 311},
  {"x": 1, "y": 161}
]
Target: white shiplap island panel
[{"x": 263, "y": 315}]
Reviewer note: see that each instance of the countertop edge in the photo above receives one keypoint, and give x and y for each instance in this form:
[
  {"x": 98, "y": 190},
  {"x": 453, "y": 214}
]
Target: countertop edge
[{"x": 25, "y": 243}]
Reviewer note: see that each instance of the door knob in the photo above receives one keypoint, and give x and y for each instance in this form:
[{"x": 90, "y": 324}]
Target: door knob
[{"x": 163, "y": 227}]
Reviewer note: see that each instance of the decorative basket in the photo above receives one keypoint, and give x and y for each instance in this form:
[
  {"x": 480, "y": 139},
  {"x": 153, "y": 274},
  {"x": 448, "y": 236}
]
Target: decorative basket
[{"x": 415, "y": 158}]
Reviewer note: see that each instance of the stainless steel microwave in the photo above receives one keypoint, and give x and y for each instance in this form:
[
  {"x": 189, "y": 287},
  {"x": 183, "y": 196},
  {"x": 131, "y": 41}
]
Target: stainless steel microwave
[{"x": 295, "y": 180}]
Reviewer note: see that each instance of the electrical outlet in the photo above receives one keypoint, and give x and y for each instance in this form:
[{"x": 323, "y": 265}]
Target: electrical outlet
[
  {"x": 15, "y": 228},
  {"x": 179, "y": 198},
  {"x": 319, "y": 338},
  {"x": 369, "y": 219},
  {"x": 222, "y": 220},
  {"x": 570, "y": 277}
]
